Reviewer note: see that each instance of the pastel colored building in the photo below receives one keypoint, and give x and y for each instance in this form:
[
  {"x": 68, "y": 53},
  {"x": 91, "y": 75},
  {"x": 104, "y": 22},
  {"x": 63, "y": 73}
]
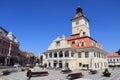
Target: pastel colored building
[
  {"x": 79, "y": 51},
  {"x": 113, "y": 59}
]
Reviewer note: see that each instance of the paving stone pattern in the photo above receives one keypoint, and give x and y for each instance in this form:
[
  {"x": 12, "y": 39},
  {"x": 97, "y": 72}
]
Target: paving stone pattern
[{"x": 57, "y": 75}]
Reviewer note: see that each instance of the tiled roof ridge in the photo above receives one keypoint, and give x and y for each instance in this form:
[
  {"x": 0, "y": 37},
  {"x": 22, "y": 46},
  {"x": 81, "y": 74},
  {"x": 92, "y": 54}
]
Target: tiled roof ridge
[
  {"x": 76, "y": 36},
  {"x": 113, "y": 54}
]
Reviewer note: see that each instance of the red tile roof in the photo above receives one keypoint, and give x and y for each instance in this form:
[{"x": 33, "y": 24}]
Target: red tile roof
[
  {"x": 75, "y": 40},
  {"x": 77, "y": 36},
  {"x": 72, "y": 37},
  {"x": 113, "y": 55}
]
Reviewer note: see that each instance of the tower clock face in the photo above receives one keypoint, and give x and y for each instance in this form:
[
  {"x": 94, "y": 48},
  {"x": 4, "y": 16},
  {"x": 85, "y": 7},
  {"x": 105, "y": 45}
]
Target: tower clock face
[{"x": 77, "y": 22}]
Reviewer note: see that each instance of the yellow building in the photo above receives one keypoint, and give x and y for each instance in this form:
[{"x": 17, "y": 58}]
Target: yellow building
[{"x": 79, "y": 51}]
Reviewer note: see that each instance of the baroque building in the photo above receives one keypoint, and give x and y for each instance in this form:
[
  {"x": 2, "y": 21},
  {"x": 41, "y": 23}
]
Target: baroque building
[
  {"x": 10, "y": 53},
  {"x": 79, "y": 51},
  {"x": 9, "y": 48}
]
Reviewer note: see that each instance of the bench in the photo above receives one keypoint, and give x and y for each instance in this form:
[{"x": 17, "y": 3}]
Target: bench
[
  {"x": 41, "y": 73},
  {"x": 66, "y": 71},
  {"x": 74, "y": 75},
  {"x": 93, "y": 71}
]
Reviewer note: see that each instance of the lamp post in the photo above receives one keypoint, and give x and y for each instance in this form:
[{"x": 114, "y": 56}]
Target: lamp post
[{"x": 9, "y": 53}]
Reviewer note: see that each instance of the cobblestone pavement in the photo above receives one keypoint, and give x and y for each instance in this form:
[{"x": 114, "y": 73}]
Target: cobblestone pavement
[{"x": 56, "y": 75}]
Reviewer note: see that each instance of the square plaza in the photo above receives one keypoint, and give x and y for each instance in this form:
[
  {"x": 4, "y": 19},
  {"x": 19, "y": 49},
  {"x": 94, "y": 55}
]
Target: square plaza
[{"x": 57, "y": 75}]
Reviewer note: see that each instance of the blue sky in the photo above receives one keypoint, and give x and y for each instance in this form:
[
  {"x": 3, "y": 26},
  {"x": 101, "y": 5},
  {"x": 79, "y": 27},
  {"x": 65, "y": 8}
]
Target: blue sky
[{"x": 36, "y": 23}]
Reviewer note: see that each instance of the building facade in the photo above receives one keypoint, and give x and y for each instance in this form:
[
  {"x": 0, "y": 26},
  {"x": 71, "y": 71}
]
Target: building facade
[
  {"x": 25, "y": 58},
  {"x": 79, "y": 51},
  {"x": 113, "y": 59},
  {"x": 9, "y": 48}
]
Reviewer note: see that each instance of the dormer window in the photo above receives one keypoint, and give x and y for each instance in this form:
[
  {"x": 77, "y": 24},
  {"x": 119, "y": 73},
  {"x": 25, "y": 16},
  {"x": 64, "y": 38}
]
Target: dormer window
[
  {"x": 73, "y": 42},
  {"x": 83, "y": 44},
  {"x": 50, "y": 54},
  {"x": 55, "y": 54},
  {"x": 58, "y": 43}
]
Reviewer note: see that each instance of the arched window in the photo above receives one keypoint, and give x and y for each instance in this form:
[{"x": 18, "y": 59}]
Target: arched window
[
  {"x": 55, "y": 54},
  {"x": 55, "y": 63},
  {"x": 60, "y": 54},
  {"x": 50, "y": 54},
  {"x": 58, "y": 43},
  {"x": 66, "y": 53}
]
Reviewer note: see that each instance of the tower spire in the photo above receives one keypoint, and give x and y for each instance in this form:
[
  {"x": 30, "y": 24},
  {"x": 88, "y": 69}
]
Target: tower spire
[{"x": 79, "y": 10}]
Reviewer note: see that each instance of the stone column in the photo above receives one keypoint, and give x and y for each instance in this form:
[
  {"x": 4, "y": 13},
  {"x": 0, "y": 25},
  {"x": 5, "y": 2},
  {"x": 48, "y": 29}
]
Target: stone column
[
  {"x": 63, "y": 62},
  {"x": 69, "y": 53},
  {"x": 51, "y": 64},
  {"x": 57, "y": 54},
  {"x": 63, "y": 54},
  {"x": 57, "y": 64},
  {"x": 52, "y": 55}
]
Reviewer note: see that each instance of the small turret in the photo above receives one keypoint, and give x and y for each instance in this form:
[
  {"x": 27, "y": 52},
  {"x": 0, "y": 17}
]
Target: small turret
[{"x": 79, "y": 10}]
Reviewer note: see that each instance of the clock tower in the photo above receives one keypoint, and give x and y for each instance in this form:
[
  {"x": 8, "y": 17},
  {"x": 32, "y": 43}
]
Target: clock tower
[{"x": 80, "y": 24}]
